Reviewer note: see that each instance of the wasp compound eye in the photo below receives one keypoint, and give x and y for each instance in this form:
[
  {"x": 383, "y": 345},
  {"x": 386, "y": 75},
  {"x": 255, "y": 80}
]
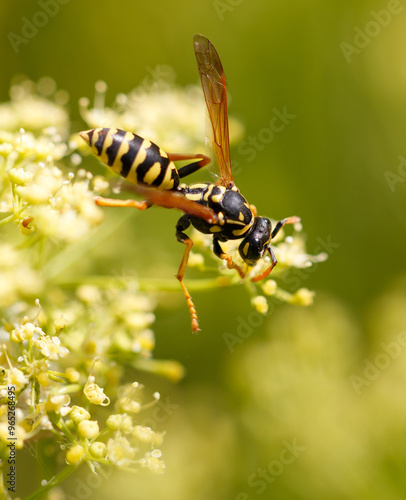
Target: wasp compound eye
[{"x": 253, "y": 246}]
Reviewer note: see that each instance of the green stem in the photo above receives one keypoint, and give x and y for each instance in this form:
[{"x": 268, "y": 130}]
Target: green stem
[
  {"x": 7, "y": 219},
  {"x": 150, "y": 284},
  {"x": 55, "y": 481},
  {"x": 283, "y": 295}
]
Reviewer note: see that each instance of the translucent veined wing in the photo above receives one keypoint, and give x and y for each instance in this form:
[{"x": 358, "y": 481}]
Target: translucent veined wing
[
  {"x": 215, "y": 94},
  {"x": 172, "y": 199}
]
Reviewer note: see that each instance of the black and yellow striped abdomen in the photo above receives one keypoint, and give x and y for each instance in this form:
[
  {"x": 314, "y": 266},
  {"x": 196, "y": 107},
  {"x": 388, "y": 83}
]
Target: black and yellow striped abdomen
[{"x": 136, "y": 159}]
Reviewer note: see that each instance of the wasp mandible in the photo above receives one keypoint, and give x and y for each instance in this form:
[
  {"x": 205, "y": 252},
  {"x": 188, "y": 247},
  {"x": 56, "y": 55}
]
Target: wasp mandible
[{"x": 212, "y": 208}]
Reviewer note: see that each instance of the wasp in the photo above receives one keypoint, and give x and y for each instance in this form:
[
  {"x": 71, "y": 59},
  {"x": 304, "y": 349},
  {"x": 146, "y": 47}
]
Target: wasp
[{"x": 212, "y": 208}]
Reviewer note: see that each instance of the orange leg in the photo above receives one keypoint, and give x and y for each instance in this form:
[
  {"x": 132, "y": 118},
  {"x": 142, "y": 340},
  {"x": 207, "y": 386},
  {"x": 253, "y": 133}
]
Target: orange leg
[
  {"x": 222, "y": 255},
  {"x": 267, "y": 271},
  {"x": 183, "y": 224},
  {"x": 181, "y": 274},
  {"x": 278, "y": 227},
  {"x": 111, "y": 202},
  {"x": 232, "y": 265}
]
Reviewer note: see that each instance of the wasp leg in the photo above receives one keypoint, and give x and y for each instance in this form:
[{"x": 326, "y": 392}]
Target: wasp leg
[
  {"x": 253, "y": 210},
  {"x": 281, "y": 223},
  {"x": 267, "y": 272},
  {"x": 182, "y": 225},
  {"x": 192, "y": 167},
  {"x": 222, "y": 255},
  {"x": 277, "y": 228},
  {"x": 111, "y": 202}
]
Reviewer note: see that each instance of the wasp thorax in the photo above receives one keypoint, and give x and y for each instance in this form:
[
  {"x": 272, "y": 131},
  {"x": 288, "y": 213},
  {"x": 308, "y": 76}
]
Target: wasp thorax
[{"x": 253, "y": 246}]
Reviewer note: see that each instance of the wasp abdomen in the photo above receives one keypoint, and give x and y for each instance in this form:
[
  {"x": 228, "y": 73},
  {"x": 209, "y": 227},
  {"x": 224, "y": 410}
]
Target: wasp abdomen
[{"x": 136, "y": 159}]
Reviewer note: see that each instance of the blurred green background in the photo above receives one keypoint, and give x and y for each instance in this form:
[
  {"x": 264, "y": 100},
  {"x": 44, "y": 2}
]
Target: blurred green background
[{"x": 338, "y": 164}]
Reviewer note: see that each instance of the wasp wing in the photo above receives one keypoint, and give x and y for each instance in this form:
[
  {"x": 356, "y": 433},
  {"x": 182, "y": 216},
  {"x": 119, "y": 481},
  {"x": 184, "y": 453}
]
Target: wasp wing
[
  {"x": 172, "y": 199},
  {"x": 215, "y": 94}
]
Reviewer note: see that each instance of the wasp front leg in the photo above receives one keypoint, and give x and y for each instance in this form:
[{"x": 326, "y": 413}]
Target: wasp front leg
[
  {"x": 182, "y": 225},
  {"x": 267, "y": 272},
  {"x": 224, "y": 256},
  {"x": 277, "y": 228}
]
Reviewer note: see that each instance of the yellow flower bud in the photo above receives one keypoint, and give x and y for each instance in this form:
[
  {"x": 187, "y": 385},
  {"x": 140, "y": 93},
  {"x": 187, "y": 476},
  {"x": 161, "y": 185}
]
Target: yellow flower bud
[
  {"x": 98, "y": 449},
  {"x": 60, "y": 324},
  {"x": 260, "y": 304},
  {"x": 72, "y": 374},
  {"x": 88, "y": 429},
  {"x": 75, "y": 455},
  {"x": 119, "y": 422},
  {"x": 303, "y": 297},
  {"x": 269, "y": 287},
  {"x": 78, "y": 414},
  {"x": 114, "y": 422},
  {"x": 43, "y": 379}
]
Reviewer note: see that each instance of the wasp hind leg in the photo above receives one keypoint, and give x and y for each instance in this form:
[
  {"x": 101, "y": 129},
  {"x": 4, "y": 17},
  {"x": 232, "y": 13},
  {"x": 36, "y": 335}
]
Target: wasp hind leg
[
  {"x": 112, "y": 202},
  {"x": 192, "y": 167},
  {"x": 182, "y": 225},
  {"x": 224, "y": 256}
]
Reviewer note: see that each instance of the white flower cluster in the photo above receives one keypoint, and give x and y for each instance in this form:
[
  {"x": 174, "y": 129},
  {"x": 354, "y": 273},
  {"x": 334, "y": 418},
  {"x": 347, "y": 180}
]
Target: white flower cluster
[
  {"x": 169, "y": 115},
  {"x": 46, "y": 384},
  {"x": 50, "y": 201},
  {"x": 35, "y": 107},
  {"x": 36, "y": 193}
]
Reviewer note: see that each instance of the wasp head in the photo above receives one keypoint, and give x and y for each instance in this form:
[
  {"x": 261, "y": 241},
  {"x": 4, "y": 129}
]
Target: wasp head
[{"x": 254, "y": 245}]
